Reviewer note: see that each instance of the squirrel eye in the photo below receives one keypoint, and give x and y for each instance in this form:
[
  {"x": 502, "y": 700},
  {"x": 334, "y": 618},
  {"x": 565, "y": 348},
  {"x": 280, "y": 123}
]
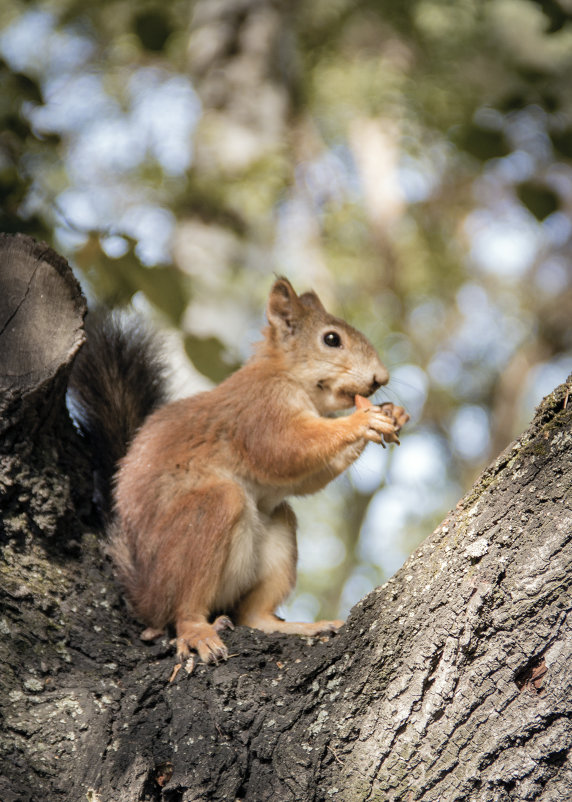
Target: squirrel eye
[{"x": 333, "y": 339}]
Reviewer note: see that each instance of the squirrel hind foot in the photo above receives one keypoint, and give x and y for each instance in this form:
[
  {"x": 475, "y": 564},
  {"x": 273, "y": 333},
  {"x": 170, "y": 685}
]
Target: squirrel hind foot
[
  {"x": 201, "y": 638},
  {"x": 318, "y": 627},
  {"x": 151, "y": 634},
  {"x": 271, "y": 623}
]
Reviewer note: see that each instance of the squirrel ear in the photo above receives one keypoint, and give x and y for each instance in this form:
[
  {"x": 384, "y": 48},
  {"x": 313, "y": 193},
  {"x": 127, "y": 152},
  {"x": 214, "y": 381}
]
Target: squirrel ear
[
  {"x": 283, "y": 306},
  {"x": 311, "y": 301}
]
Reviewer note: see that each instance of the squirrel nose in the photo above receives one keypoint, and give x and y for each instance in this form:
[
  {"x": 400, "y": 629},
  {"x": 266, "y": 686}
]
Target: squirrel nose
[{"x": 381, "y": 377}]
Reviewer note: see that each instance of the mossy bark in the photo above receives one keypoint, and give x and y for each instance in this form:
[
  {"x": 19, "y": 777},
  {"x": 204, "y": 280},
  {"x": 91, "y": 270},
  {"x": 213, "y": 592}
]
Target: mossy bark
[{"x": 450, "y": 682}]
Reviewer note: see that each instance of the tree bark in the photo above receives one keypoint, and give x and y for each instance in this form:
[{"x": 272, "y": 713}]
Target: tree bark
[{"x": 450, "y": 682}]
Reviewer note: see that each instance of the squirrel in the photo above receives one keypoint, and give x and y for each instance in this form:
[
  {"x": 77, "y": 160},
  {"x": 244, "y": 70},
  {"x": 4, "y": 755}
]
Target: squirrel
[{"x": 200, "y": 532}]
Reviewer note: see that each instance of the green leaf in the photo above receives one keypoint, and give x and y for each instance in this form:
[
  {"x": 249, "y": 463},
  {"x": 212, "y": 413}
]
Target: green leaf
[
  {"x": 562, "y": 143},
  {"x": 27, "y": 88},
  {"x": 483, "y": 143},
  {"x": 207, "y": 355},
  {"x": 153, "y": 29},
  {"x": 115, "y": 281},
  {"x": 538, "y": 198},
  {"x": 556, "y": 15}
]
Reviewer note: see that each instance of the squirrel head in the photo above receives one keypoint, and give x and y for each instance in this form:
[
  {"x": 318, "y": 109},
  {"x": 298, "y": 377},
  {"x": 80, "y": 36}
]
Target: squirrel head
[{"x": 331, "y": 360}]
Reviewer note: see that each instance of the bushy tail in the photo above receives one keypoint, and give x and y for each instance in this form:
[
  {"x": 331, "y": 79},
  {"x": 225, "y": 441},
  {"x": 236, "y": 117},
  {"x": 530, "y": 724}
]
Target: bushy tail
[{"x": 118, "y": 379}]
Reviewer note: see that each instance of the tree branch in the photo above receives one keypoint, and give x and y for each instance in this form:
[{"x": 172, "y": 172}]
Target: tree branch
[{"x": 450, "y": 682}]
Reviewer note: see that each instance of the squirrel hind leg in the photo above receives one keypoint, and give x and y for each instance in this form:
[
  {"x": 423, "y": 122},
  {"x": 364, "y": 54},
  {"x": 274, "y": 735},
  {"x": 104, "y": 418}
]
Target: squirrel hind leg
[{"x": 276, "y": 580}]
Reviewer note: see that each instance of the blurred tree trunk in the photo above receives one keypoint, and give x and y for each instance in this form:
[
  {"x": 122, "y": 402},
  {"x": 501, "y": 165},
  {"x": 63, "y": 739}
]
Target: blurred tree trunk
[
  {"x": 451, "y": 682},
  {"x": 241, "y": 57}
]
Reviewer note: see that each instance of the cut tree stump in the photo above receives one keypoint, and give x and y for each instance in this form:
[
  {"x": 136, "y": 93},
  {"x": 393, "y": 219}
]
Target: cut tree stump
[{"x": 41, "y": 315}]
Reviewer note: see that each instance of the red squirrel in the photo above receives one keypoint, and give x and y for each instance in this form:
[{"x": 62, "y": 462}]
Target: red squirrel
[{"x": 201, "y": 528}]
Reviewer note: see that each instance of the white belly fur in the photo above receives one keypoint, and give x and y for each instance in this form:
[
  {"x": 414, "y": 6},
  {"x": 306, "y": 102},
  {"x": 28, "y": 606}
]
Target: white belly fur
[{"x": 259, "y": 546}]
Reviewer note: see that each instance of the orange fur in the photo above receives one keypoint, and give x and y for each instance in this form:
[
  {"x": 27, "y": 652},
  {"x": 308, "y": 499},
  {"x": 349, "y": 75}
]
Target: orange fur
[{"x": 202, "y": 525}]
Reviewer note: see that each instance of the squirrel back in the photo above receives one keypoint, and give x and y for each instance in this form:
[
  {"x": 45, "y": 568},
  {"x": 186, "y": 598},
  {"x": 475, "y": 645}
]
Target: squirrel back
[{"x": 118, "y": 380}]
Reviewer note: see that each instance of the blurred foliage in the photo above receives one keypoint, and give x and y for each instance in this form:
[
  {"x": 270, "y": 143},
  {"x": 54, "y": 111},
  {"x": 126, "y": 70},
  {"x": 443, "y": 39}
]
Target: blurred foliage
[
  {"x": 540, "y": 200},
  {"x": 116, "y": 280},
  {"x": 410, "y": 159}
]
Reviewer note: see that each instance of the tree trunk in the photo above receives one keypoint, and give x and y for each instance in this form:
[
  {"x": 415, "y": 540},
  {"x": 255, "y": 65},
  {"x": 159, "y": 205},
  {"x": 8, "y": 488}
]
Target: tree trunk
[{"x": 450, "y": 682}]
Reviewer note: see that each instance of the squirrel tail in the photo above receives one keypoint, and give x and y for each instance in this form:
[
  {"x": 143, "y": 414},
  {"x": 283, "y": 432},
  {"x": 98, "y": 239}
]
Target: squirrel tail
[{"x": 117, "y": 380}]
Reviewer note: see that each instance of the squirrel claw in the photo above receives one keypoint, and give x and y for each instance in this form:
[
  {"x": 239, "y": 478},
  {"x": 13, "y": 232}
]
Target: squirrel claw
[
  {"x": 326, "y": 627},
  {"x": 212, "y": 652},
  {"x": 222, "y": 622},
  {"x": 333, "y": 626}
]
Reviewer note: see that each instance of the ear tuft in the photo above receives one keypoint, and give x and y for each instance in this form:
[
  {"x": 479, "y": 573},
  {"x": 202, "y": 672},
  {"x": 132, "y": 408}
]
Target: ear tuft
[
  {"x": 311, "y": 301},
  {"x": 284, "y": 307}
]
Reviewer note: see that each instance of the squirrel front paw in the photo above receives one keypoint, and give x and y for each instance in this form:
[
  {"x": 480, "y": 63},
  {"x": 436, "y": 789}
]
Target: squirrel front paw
[
  {"x": 399, "y": 417},
  {"x": 385, "y": 420}
]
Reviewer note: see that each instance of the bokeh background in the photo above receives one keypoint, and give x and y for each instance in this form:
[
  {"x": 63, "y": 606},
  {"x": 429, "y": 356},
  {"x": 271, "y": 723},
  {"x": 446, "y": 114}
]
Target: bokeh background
[{"x": 411, "y": 160}]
